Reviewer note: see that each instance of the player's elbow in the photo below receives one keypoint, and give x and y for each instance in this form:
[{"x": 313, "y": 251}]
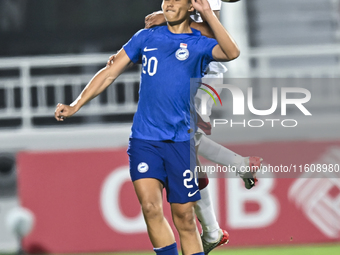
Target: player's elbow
[
  {"x": 226, "y": 57},
  {"x": 234, "y": 54},
  {"x": 225, "y": 54}
]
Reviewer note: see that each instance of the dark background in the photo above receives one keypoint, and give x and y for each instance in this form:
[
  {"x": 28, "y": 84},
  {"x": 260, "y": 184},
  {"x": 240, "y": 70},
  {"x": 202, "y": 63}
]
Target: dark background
[{"x": 64, "y": 26}]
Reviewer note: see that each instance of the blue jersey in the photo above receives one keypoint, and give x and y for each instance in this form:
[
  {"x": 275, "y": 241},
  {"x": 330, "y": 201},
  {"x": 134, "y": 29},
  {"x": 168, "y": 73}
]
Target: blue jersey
[{"x": 168, "y": 62}]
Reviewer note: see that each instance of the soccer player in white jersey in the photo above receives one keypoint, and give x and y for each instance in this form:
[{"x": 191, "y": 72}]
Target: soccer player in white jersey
[
  {"x": 161, "y": 148},
  {"x": 212, "y": 235}
]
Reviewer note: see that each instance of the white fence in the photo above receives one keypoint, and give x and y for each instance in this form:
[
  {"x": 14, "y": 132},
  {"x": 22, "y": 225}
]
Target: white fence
[
  {"x": 31, "y": 93},
  {"x": 27, "y": 96}
]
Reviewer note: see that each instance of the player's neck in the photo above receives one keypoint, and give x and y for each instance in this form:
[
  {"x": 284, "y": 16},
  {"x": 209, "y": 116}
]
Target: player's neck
[{"x": 180, "y": 27}]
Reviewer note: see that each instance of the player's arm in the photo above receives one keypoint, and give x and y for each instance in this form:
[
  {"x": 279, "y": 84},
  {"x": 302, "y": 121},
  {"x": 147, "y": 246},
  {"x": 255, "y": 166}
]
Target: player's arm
[
  {"x": 204, "y": 27},
  {"x": 112, "y": 59},
  {"x": 227, "y": 49},
  {"x": 155, "y": 19},
  {"x": 98, "y": 84}
]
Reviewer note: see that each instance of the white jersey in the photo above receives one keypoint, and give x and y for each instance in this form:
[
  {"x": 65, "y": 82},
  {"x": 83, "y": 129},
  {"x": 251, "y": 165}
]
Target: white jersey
[
  {"x": 214, "y": 70},
  {"x": 210, "y": 79},
  {"x": 214, "y": 67}
]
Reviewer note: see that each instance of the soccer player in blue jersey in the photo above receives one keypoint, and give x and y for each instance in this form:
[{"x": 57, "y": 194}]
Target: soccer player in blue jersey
[
  {"x": 161, "y": 153},
  {"x": 212, "y": 235}
]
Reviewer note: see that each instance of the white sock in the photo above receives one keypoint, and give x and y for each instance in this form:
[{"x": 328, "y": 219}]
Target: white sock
[
  {"x": 205, "y": 213},
  {"x": 218, "y": 153}
]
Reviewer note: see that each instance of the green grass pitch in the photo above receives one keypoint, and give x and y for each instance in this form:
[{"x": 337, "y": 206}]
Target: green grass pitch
[{"x": 280, "y": 250}]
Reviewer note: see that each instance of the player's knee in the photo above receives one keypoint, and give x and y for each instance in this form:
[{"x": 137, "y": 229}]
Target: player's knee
[
  {"x": 152, "y": 210},
  {"x": 185, "y": 220}
]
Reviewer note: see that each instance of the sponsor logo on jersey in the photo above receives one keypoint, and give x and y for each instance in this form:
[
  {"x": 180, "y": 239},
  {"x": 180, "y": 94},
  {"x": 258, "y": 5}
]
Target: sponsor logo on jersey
[
  {"x": 143, "y": 167},
  {"x": 192, "y": 194},
  {"x": 146, "y": 49},
  {"x": 182, "y": 53}
]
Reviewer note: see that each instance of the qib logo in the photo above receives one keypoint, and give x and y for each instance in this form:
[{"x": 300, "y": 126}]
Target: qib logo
[{"x": 239, "y": 105}]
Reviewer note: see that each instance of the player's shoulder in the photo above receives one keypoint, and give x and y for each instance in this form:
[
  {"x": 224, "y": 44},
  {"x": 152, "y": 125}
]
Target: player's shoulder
[
  {"x": 196, "y": 32},
  {"x": 200, "y": 37},
  {"x": 204, "y": 43},
  {"x": 145, "y": 32},
  {"x": 141, "y": 32}
]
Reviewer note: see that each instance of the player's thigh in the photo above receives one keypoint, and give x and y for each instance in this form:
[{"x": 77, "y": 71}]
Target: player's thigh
[
  {"x": 197, "y": 139},
  {"x": 145, "y": 160},
  {"x": 180, "y": 165},
  {"x": 147, "y": 173},
  {"x": 149, "y": 192}
]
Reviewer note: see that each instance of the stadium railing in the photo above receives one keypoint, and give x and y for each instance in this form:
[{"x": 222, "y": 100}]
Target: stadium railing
[{"x": 30, "y": 87}]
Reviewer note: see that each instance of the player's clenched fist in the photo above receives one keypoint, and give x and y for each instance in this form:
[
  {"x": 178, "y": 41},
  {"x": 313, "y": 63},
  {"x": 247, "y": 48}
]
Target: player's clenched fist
[{"x": 64, "y": 111}]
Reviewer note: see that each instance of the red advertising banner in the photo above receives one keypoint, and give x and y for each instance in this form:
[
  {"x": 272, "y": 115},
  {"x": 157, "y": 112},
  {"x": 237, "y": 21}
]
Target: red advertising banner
[{"x": 83, "y": 201}]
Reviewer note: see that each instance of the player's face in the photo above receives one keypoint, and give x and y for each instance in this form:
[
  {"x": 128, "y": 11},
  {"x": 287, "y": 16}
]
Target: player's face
[{"x": 176, "y": 10}]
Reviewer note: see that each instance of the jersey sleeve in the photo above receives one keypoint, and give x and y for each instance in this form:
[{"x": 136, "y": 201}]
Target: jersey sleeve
[
  {"x": 133, "y": 47},
  {"x": 215, "y": 5},
  {"x": 208, "y": 45}
]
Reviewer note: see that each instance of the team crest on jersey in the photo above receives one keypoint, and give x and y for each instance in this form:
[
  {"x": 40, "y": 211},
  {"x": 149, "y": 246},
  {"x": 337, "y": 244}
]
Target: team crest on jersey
[
  {"x": 142, "y": 167},
  {"x": 182, "y": 53}
]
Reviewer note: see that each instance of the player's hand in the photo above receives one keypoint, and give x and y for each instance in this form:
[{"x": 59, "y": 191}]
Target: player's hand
[
  {"x": 111, "y": 60},
  {"x": 201, "y": 6},
  {"x": 154, "y": 19},
  {"x": 63, "y": 111}
]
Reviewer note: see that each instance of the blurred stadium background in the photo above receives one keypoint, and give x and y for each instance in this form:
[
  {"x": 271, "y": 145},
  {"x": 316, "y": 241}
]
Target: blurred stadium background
[{"x": 73, "y": 176}]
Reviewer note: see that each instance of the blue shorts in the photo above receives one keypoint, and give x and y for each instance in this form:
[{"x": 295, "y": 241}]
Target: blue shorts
[{"x": 172, "y": 163}]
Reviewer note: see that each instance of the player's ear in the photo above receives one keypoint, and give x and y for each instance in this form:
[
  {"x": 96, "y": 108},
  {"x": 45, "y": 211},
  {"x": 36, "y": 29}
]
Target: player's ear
[{"x": 191, "y": 8}]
